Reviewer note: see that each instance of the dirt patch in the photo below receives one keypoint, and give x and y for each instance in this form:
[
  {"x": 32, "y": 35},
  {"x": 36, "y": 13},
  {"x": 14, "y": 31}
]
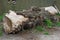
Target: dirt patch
[
  {"x": 54, "y": 34},
  {"x": 31, "y": 35}
]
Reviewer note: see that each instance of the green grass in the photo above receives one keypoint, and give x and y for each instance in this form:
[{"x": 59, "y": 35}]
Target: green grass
[
  {"x": 1, "y": 32},
  {"x": 58, "y": 14},
  {"x": 46, "y": 33},
  {"x": 39, "y": 28},
  {"x": 1, "y": 17},
  {"x": 48, "y": 23},
  {"x": 58, "y": 24}
]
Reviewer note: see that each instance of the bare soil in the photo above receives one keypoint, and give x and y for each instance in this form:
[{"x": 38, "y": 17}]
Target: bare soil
[{"x": 54, "y": 34}]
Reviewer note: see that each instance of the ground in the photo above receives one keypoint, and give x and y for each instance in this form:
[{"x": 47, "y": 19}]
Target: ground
[{"x": 54, "y": 34}]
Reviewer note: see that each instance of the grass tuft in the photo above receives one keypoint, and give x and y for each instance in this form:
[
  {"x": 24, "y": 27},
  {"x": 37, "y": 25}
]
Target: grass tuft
[
  {"x": 1, "y": 32},
  {"x": 48, "y": 23},
  {"x": 58, "y": 14},
  {"x": 1, "y": 17},
  {"x": 39, "y": 28},
  {"x": 58, "y": 24},
  {"x": 46, "y": 33}
]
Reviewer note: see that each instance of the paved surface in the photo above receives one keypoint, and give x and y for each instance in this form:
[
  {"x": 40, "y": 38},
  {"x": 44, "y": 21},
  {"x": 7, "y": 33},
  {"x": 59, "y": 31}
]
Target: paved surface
[{"x": 54, "y": 34}]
